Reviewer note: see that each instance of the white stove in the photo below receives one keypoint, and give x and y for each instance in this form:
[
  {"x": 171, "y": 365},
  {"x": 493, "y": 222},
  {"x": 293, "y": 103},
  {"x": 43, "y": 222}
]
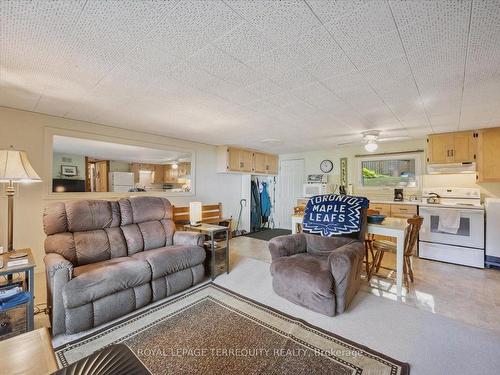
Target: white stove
[
  {"x": 453, "y": 197},
  {"x": 453, "y": 228}
]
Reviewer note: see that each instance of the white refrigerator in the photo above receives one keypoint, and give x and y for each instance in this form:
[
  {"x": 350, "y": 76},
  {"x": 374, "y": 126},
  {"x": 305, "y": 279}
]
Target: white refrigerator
[
  {"x": 492, "y": 206},
  {"x": 121, "y": 182}
]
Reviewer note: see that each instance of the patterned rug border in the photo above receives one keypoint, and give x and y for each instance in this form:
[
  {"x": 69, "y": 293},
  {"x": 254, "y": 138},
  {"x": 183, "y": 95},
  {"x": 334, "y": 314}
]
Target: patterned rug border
[{"x": 405, "y": 367}]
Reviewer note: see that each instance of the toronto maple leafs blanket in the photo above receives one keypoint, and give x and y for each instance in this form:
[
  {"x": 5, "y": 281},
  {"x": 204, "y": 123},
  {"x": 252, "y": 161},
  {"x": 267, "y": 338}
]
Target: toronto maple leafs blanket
[{"x": 330, "y": 215}]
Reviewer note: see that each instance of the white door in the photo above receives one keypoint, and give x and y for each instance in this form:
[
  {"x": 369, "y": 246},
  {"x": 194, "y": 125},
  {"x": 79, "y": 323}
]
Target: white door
[{"x": 291, "y": 180}]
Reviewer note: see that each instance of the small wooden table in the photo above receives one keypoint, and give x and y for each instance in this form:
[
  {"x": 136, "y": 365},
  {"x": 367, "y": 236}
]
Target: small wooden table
[
  {"x": 390, "y": 227},
  {"x": 211, "y": 230},
  {"x": 29, "y": 278},
  {"x": 396, "y": 228},
  {"x": 28, "y": 353}
]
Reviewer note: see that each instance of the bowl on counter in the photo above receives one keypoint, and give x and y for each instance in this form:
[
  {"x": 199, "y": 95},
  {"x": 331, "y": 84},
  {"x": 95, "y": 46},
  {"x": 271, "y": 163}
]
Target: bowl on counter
[{"x": 375, "y": 219}]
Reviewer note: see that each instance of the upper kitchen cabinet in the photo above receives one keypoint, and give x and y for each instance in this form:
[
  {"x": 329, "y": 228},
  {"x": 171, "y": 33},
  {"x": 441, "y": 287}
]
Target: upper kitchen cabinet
[
  {"x": 458, "y": 147},
  {"x": 488, "y": 155},
  {"x": 232, "y": 159},
  {"x": 265, "y": 163}
]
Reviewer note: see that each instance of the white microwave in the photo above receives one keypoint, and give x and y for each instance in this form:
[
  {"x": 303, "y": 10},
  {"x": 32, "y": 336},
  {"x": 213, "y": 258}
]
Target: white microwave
[{"x": 310, "y": 190}]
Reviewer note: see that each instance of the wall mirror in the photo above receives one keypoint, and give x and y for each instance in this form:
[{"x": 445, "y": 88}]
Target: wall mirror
[{"x": 86, "y": 165}]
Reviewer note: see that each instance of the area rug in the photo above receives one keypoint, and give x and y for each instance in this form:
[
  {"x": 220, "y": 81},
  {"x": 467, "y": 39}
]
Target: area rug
[
  {"x": 268, "y": 234},
  {"x": 213, "y": 330}
]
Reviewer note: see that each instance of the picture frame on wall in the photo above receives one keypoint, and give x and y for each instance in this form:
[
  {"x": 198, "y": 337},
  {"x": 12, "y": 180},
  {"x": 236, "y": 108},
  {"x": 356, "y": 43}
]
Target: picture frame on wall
[{"x": 69, "y": 170}]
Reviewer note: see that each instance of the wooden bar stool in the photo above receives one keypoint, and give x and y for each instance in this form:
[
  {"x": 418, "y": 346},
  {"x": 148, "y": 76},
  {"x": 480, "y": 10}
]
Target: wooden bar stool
[
  {"x": 369, "y": 238},
  {"x": 381, "y": 247}
]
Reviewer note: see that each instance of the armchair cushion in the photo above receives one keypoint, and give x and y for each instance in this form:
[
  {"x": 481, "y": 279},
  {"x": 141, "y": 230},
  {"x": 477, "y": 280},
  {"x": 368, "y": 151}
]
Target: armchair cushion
[
  {"x": 283, "y": 246},
  {"x": 167, "y": 260},
  {"x": 306, "y": 280}
]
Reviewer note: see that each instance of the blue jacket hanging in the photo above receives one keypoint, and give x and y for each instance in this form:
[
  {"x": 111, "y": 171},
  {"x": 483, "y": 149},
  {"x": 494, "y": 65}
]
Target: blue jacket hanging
[{"x": 265, "y": 202}]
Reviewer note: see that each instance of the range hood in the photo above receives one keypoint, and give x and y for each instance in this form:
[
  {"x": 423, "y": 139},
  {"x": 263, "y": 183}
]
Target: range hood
[{"x": 451, "y": 168}]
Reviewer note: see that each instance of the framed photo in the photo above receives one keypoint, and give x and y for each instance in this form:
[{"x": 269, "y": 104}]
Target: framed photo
[{"x": 69, "y": 170}]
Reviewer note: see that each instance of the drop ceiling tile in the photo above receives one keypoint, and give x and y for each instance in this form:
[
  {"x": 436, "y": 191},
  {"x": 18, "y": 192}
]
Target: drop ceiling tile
[
  {"x": 365, "y": 53},
  {"x": 334, "y": 11},
  {"x": 369, "y": 22},
  {"x": 283, "y": 21},
  {"x": 335, "y": 63},
  {"x": 432, "y": 23},
  {"x": 293, "y": 78},
  {"x": 245, "y": 42},
  {"x": 264, "y": 88},
  {"x": 193, "y": 24},
  {"x": 220, "y": 64},
  {"x": 310, "y": 47}
]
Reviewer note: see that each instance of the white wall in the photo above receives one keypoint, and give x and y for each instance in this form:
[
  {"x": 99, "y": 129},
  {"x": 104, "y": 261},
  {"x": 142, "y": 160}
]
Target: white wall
[
  {"x": 25, "y": 130},
  {"x": 314, "y": 158}
]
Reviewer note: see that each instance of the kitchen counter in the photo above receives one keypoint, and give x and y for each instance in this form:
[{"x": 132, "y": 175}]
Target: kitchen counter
[{"x": 410, "y": 203}]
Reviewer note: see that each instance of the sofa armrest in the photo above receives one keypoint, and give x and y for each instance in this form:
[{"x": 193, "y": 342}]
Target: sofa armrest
[
  {"x": 189, "y": 238},
  {"x": 59, "y": 272},
  {"x": 284, "y": 246},
  {"x": 345, "y": 264}
]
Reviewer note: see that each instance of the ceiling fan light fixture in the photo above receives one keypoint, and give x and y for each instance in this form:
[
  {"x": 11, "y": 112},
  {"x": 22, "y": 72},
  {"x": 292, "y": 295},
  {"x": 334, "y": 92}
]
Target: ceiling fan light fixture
[{"x": 371, "y": 146}]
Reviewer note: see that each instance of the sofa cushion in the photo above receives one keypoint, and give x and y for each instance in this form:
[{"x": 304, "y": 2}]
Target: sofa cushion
[
  {"x": 77, "y": 271},
  {"x": 306, "y": 280},
  {"x": 91, "y": 215},
  {"x": 167, "y": 260},
  {"x": 101, "y": 279}
]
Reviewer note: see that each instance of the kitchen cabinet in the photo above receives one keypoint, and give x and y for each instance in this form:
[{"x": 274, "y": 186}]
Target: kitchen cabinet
[
  {"x": 233, "y": 159},
  {"x": 457, "y": 147},
  {"x": 271, "y": 164},
  {"x": 158, "y": 176},
  {"x": 488, "y": 155},
  {"x": 135, "y": 168},
  {"x": 183, "y": 170},
  {"x": 404, "y": 211},
  {"x": 259, "y": 162},
  {"x": 170, "y": 174},
  {"x": 382, "y": 208}
]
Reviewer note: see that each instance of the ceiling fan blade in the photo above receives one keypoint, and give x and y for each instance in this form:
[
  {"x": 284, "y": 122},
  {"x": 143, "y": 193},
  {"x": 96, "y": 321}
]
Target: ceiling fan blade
[
  {"x": 389, "y": 139},
  {"x": 347, "y": 143}
]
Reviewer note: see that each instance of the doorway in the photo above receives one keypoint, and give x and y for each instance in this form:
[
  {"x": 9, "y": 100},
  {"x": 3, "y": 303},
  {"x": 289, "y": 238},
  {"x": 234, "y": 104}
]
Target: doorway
[{"x": 291, "y": 180}]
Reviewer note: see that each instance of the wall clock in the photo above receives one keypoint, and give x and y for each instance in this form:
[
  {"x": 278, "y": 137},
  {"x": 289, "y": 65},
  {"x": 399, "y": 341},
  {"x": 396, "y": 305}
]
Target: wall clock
[{"x": 326, "y": 166}]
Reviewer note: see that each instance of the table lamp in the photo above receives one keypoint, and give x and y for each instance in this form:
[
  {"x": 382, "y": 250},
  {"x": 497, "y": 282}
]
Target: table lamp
[
  {"x": 195, "y": 213},
  {"x": 14, "y": 167}
]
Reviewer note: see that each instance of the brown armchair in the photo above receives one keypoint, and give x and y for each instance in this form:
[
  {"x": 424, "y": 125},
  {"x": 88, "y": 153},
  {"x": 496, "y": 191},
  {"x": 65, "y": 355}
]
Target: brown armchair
[{"x": 320, "y": 273}]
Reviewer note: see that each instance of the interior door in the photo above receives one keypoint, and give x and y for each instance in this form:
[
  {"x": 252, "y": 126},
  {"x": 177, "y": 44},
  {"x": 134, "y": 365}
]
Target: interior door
[
  {"x": 101, "y": 180},
  {"x": 291, "y": 178}
]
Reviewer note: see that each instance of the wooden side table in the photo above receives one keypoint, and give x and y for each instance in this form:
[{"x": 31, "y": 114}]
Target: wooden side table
[
  {"x": 29, "y": 279},
  {"x": 211, "y": 230},
  {"x": 29, "y": 353}
]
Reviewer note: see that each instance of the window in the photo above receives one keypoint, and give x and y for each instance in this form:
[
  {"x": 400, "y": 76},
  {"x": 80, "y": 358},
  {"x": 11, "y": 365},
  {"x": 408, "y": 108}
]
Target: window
[{"x": 389, "y": 171}]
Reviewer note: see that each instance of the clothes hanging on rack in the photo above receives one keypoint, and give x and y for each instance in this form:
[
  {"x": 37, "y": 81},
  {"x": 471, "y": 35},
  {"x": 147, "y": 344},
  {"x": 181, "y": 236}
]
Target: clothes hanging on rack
[
  {"x": 265, "y": 203},
  {"x": 255, "y": 208}
]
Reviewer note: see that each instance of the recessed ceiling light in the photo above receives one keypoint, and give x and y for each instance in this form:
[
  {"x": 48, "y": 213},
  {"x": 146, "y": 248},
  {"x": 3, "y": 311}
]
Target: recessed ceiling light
[{"x": 271, "y": 140}]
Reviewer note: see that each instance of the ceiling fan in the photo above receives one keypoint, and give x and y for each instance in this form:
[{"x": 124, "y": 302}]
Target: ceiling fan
[{"x": 371, "y": 139}]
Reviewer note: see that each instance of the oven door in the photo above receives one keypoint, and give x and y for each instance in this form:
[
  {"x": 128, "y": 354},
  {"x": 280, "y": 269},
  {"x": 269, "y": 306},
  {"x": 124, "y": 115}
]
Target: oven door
[{"x": 469, "y": 234}]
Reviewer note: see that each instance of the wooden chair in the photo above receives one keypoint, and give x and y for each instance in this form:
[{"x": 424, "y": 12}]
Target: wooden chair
[
  {"x": 381, "y": 247},
  {"x": 369, "y": 238},
  {"x": 210, "y": 214}
]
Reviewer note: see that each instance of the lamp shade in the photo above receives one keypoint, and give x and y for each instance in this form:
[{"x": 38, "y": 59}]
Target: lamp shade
[
  {"x": 194, "y": 212},
  {"x": 15, "y": 166}
]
